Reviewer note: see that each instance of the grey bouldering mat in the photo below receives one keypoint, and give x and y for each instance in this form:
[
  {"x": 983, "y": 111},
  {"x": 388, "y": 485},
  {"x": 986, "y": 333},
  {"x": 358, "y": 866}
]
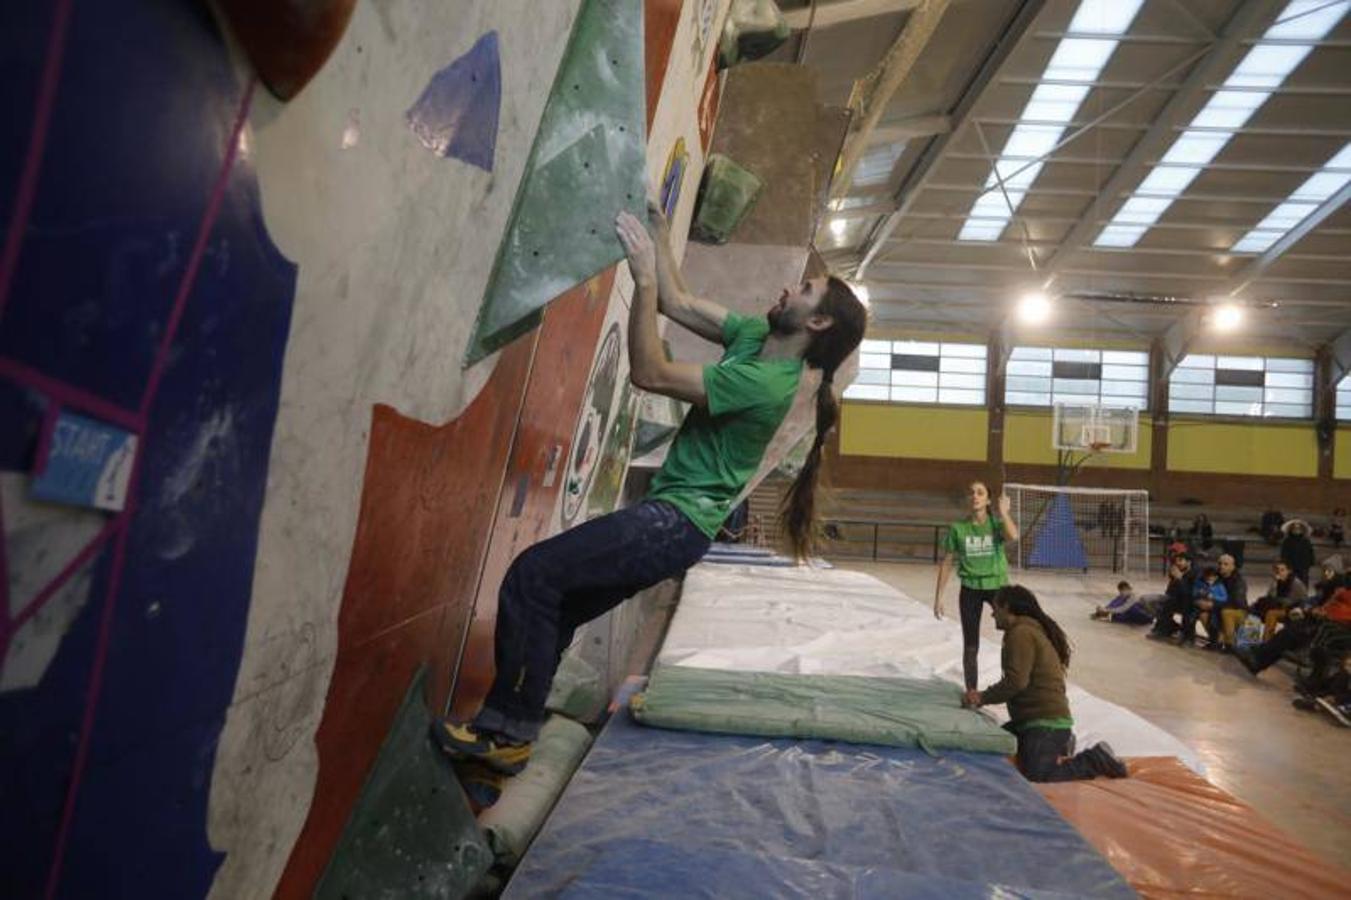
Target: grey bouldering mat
[
  {"x": 513, "y": 821},
  {"x": 896, "y": 712}
]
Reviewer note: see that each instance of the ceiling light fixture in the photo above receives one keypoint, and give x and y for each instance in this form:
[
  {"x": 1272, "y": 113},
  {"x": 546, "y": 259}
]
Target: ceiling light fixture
[
  {"x": 1227, "y": 317},
  {"x": 1034, "y": 308}
]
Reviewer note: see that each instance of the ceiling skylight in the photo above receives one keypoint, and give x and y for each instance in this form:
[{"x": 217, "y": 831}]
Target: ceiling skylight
[
  {"x": 1075, "y": 59},
  {"x": 1305, "y": 199},
  {"x": 1262, "y": 70}
]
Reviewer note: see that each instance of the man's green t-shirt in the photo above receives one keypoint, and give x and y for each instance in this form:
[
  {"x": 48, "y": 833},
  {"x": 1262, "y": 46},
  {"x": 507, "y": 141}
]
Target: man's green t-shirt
[
  {"x": 980, "y": 553},
  {"x": 719, "y": 448}
]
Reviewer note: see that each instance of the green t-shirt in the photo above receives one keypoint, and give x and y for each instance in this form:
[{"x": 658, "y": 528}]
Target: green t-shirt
[
  {"x": 719, "y": 448},
  {"x": 980, "y": 553}
]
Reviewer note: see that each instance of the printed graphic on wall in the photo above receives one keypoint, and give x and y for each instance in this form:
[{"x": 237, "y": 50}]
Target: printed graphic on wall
[
  {"x": 596, "y": 413},
  {"x": 614, "y": 459},
  {"x": 673, "y": 177}
]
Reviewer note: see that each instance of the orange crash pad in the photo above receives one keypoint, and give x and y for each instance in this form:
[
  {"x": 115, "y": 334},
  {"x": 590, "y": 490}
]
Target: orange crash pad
[{"x": 1171, "y": 833}]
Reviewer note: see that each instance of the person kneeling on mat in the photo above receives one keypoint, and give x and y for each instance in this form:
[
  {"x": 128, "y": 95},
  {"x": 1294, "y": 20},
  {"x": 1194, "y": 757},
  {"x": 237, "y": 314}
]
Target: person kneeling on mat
[
  {"x": 1036, "y": 654},
  {"x": 559, "y": 584}
]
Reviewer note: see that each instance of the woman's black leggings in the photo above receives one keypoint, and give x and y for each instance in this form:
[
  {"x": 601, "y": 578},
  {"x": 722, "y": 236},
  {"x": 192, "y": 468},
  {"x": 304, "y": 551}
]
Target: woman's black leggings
[{"x": 971, "y": 601}]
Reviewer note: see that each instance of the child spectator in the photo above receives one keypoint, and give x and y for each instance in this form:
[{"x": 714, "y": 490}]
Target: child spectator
[
  {"x": 1208, "y": 598},
  {"x": 1125, "y": 608}
]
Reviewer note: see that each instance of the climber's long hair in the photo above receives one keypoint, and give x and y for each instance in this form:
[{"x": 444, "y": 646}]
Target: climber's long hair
[
  {"x": 1022, "y": 602},
  {"x": 827, "y": 351}
]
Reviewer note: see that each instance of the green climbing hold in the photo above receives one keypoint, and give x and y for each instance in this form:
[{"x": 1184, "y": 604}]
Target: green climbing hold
[
  {"x": 728, "y": 192},
  {"x": 587, "y": 163},
  {"x": 411, "y": 833}
]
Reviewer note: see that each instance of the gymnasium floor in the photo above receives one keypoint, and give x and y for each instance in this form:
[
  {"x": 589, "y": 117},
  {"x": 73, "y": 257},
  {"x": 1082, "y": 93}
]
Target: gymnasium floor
[{"x": 1289, "y": 765}]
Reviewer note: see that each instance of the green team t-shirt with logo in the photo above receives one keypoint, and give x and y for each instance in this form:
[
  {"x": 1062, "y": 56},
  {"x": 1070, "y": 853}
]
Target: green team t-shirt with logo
[
  {"x": 980, "y": 553},
  {"x": 719, "y": 448}
]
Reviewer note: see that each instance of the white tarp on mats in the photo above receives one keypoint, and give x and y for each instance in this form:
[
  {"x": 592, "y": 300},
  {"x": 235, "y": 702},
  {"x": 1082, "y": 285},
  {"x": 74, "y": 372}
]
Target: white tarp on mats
[{"x": 837, "y": 622}]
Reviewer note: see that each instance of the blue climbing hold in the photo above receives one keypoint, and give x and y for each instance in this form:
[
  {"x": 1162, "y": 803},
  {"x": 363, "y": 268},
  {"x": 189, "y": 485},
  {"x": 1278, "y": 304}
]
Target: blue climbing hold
[{"x": 457, "y": 112}]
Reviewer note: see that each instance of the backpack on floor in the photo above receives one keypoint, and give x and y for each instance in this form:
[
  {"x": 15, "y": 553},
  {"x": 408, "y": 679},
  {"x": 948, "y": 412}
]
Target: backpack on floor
[{"x": 1249, "y": 634}]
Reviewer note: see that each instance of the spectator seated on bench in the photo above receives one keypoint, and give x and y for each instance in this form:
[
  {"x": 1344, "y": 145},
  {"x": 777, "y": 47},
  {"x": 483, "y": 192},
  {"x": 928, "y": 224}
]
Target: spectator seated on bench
[
  {"x": 1285, "y": 592},
  {"x": 1177, "y": 599},
  {"x": 1325, "y": 630},
  {"x": 1334, "y": 577},
  {"x": 1236, "y": 609}
]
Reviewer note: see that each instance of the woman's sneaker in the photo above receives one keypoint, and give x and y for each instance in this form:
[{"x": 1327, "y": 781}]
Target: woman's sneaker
[
  {"x": 459, "y": 740},
  {"x": 1106, "y": 762},
  {"x": 1341, "y": 713}
]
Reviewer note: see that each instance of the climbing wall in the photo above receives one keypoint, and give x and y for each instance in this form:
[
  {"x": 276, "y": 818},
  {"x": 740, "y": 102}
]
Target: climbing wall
[
  {"x": 248, "y": 485},
  {"x": 259, "y": 297}
]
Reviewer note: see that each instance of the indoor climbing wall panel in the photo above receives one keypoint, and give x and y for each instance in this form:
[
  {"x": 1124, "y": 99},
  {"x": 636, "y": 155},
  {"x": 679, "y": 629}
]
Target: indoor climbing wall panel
[
  {"x": 388, "y": 457},
  {"x": 139, "y": 290}
]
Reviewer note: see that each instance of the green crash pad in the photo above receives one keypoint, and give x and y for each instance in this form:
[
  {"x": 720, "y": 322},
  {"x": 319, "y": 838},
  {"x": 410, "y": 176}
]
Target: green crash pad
[
  {"x": 587, "y": 163},
  {"x": 411, "y": 833},
  {"x": 898, "y": 712},
  {"x": 728, "y": 192}
]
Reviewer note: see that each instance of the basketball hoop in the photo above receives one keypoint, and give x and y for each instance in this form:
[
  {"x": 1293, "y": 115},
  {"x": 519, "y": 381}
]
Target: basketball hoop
[{"x": 1092, "y": 428}]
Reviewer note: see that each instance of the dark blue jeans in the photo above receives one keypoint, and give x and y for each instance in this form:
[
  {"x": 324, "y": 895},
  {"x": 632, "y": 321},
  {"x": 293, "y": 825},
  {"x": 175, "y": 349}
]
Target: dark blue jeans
[
  {"x": 1047, "y": 754},
  {"x": 559, "y": 584}
]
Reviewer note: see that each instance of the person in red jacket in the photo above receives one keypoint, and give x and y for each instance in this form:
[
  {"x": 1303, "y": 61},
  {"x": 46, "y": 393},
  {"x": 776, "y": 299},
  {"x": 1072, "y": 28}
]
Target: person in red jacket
[{"x": 1325, "y": 629}]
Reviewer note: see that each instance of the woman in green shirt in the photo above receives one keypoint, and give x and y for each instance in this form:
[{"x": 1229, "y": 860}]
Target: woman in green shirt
[{"x": 976, "y": 543}]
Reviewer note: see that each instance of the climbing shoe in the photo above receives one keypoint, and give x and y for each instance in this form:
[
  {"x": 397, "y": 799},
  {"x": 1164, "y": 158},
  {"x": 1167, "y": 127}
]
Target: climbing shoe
[{"x": 459, "y": 740}]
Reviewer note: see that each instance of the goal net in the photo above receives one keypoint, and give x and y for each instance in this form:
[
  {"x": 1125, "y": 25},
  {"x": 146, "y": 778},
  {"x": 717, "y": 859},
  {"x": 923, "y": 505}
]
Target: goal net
[{"x": 1080, "y": 529}]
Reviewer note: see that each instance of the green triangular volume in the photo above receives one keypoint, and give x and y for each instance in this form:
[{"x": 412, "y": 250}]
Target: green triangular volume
[{"x": 587, "y": 163}]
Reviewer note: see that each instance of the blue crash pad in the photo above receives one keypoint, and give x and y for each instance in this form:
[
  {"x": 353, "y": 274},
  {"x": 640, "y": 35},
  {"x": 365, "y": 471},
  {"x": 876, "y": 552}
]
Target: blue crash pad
[{"x": 866, "y": 820}]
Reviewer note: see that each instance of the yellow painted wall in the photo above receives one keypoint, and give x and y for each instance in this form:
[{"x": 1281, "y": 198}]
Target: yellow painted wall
[
  {"x": 1243, "y": 449},
  {"x": 913, "y": 432},
  {"x": 1027, "y": 440},
  {"x": 1341, "y": 458}
]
